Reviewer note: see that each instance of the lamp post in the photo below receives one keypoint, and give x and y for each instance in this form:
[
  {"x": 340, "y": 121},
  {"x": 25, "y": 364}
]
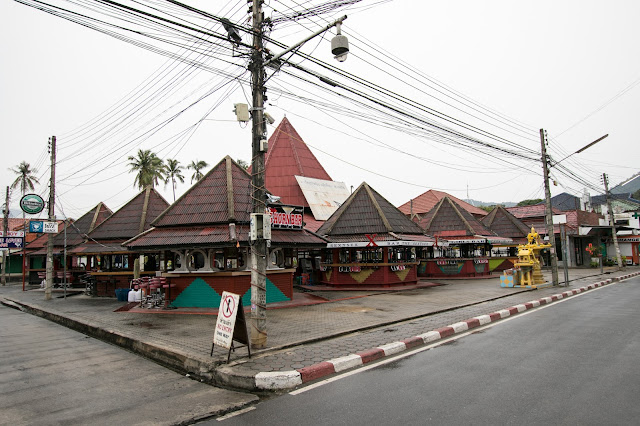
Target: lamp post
[
  {"x": 259, "y": 248},
  {"x": 546, "y": 165}
]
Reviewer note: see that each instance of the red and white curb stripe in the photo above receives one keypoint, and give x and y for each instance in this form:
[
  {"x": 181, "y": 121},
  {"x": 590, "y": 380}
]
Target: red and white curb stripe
[{"x": 283, "y": 380}]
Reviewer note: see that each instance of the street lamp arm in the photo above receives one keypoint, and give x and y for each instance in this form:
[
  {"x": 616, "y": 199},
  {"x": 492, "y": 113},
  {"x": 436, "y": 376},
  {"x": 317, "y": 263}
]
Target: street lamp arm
[
  {"x": 580, "y": 150},
  {"x": 295, "y": 46}
]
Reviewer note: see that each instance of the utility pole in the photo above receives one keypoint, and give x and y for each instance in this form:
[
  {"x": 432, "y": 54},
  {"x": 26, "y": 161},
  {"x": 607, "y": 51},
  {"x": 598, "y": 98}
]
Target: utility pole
[
  {"x": 5, "y": 227},
  {"x": 548, "y": 211},
  {"x": 52, "y": 217},
  {"x": 259, "y": 133},
  {"x": 612, "y": 219}
]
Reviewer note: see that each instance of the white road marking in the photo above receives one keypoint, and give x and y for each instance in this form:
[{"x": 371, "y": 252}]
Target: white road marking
[
  {"x": 438, "y": 343},
  {"x": 236, "y": 413}
]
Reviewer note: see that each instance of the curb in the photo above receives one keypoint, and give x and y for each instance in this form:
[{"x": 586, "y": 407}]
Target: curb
[{"x": 286, "y": 380}]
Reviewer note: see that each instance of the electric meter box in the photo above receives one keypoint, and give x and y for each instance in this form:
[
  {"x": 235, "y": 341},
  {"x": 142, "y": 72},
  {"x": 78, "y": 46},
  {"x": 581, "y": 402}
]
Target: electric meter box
[{"x": 260, "y": 226}]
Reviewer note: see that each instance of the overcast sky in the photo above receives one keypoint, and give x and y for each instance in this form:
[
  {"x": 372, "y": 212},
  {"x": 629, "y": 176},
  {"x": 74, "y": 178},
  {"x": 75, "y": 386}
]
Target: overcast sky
[{"x": 507, "y": 68}]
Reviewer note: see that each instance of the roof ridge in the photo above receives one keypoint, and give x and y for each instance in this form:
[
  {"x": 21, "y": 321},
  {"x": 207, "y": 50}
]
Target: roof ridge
[{"x": 383, "y": 217}]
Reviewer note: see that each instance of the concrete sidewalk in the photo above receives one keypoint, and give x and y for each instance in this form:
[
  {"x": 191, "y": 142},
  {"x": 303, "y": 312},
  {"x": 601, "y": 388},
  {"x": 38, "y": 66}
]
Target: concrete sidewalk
[{"x": 304, "y": 342}]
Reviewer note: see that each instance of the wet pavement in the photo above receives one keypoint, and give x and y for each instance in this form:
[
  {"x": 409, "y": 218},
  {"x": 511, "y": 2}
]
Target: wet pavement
[{"x": 300, "y": 334}]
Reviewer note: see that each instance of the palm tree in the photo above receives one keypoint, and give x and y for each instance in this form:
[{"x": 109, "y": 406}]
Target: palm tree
[
  {"x": 149, "y": 167},
  {"x": 197, "y": 166},
  {"x": 26, "y": 177},
  {"x": 173, "y": 173}
]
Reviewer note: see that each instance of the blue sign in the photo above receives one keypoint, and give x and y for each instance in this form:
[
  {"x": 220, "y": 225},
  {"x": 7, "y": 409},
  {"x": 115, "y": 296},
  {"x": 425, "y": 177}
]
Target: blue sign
[
  {"x": 11, "y": 242},
  {"x": 36, "y": 226}
]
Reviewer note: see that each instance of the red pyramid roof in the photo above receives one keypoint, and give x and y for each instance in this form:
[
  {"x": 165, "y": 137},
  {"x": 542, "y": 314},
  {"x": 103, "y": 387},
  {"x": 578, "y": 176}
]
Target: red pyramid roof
[
  {"x": 448, "y": 219},
  {"x": 287, "y": 157},
  {"x": 425, "y": 202}
]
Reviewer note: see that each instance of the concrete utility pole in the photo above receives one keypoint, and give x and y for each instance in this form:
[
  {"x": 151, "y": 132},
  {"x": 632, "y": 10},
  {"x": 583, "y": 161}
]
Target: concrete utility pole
[
  {"x": 259, "y": 132},
  {"x": 548, "y": 210},
  {"x": 5, "y": 227},
  {"x": 52, "y": 217},
  {"x": 612, "y": 219}
]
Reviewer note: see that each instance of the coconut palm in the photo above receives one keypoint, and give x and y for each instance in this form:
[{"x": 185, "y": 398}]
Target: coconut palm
[
  {"x": 26, "y": 177},
  {"x": 149, "y": 167},
  {"x": 173, "y": 173},
  {"x": 197, "y": 166}
]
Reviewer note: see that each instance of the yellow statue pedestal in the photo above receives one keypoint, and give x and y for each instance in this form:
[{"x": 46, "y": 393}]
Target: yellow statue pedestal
[{"x": 528, "y": 265}]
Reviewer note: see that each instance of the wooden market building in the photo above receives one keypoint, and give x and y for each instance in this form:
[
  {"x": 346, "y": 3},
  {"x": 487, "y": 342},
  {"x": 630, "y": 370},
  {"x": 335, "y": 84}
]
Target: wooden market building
[
  {"x": 504, "y": 224},
  {"x": 101, "y": 252},
  {"x": 470, "y": 242},
  {"x": 371, "y": 244},
  {"x": 205, "y": 238}
]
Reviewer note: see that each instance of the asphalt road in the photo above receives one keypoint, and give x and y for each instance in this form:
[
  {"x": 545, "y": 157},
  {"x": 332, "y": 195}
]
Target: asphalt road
[
  {"x": 571, "y": 363},
  {"x": 52, "y": 375}
]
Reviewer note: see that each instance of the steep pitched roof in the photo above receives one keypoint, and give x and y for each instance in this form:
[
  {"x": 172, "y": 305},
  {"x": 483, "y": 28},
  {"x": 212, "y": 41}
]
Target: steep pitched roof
[
  {"x": 287, "y": 157},
  {"x": 132, "y": 218},
  {"x": 222, "y": 195},
  {"x": 202, "y": 217},
  {"x": 503, "y": 223},
  {"x": 448, "y": 219},
  {"x": 77, "y": 230},
  {"x": 367, "y": 212},
  {"x": 425, "y": 202}
]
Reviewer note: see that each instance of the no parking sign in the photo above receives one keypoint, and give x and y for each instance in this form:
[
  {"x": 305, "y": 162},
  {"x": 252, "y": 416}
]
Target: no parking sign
[
  {"x": 230, "y": 313},
  {"x": 226, "y": 319}
]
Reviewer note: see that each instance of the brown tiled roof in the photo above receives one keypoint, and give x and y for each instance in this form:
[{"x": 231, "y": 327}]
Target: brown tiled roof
[
  {"x": 78, "y": 230},
  {"x": 132, "y": 218},
  {"x": 367, "y": 212},
  {"x": 222, "y": 195},
  {"x": 448, "y": 219},
  {"x": 215, "y": 235},
  {"x": 202, "y": 215},
  {"x": 503, "y": 223},
  {"x": 536, "y": 210},
  {"x": 90, "y": 247},
  {"x": 425, "y": 202}
]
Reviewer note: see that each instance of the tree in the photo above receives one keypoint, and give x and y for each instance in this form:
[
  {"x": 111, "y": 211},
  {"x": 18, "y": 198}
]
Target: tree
[
  {"x": 197, "y": 166},
  {"x": 242, "y": 164},
  {"x": 149, "y": 168},
  {"x": 173, "y": 173},
  {"x": 26, "y": 177},
  {"x": 530, "y": 202}
]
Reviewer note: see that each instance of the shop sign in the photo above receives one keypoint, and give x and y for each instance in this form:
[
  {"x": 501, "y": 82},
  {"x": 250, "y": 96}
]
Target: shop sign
[
  {"x": 398, "y": 267},
  {"x": 479, "y": 261},
  {"x": 11, "y": 242},
  {"x": 39, "y": 226},
  {"x": 14, "y": 234},
  {"x": 285, "y": 217},
  {"x": 32, "y": 204},
  {"x": 349, "y": 269},
  {"x": 446, "y": 262}
]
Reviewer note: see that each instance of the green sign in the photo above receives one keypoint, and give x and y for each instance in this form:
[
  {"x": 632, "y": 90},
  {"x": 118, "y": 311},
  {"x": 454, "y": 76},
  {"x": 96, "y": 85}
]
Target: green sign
[{"x": 32, "y": 204}]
